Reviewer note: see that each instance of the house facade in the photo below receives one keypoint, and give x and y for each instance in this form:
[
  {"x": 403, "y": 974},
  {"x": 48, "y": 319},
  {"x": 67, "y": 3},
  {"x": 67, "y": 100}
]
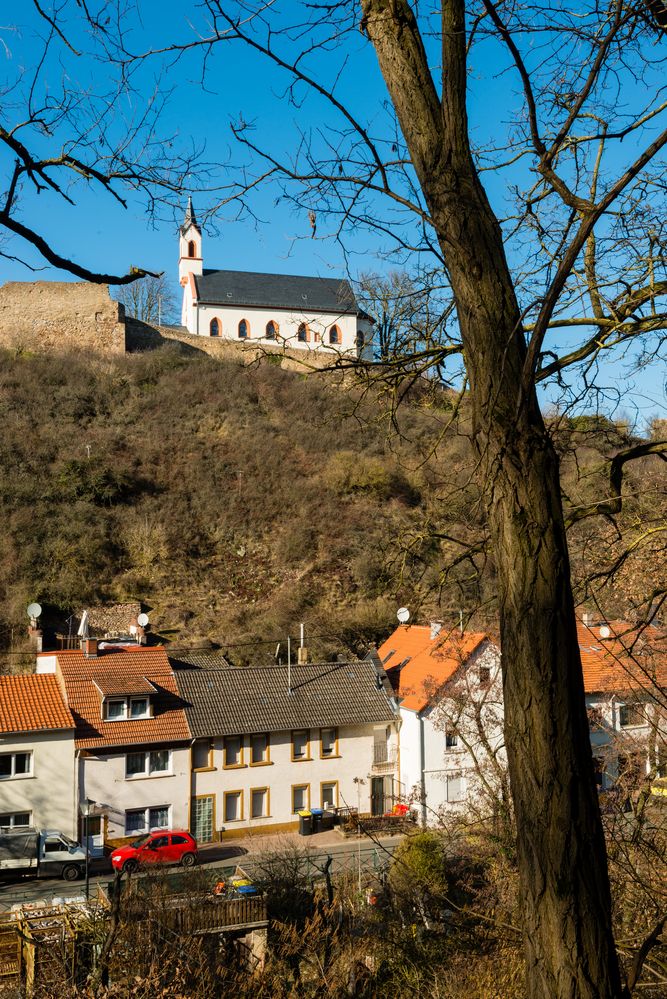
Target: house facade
[
  {"x": 132, "y": 739},
  {"x": 274, "y": 310},
  {"x": 37, "y": 755},
  {"x": 449, "y": 689},
  {"x": 269, "y": 742}
]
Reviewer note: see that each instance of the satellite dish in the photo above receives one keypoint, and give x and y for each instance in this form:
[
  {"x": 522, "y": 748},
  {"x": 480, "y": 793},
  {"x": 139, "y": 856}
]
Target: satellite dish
[
  {"x": 34, "y": 610},
  {"x": 142, "y": 620},
  {"x": 605, "y": 632},
  {"x": 403, "y": 615}
]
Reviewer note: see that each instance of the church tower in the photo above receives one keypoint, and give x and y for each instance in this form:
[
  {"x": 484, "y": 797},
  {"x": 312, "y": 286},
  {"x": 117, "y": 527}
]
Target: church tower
[{"x": 190, "y": 248}]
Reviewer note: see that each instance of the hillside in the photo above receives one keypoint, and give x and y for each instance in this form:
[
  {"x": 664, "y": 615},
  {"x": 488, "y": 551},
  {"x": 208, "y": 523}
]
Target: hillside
[{"x": 236, "y": 502}]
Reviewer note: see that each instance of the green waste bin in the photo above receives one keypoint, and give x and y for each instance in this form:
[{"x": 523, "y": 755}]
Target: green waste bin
[{"x": 305, "y": 822}]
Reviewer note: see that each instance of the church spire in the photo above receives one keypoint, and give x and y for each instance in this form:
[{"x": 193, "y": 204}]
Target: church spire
[{"x": 190, "y": 219}]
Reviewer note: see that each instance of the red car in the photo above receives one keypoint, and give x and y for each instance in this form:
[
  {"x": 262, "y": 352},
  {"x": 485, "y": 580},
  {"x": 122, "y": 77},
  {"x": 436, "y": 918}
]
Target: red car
[{"x": 173, "y": 847}]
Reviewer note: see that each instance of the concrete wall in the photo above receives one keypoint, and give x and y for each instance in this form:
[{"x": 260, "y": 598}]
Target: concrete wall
[
  {"x": 58, "y": 315},
  {"x": 49, "y": 793}
]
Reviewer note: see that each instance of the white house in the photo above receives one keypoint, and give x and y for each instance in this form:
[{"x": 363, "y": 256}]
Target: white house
[
  {"x": 449, "y": 688},
  {"x": 269, "y": 742},
  {"x": 132, "y": 738},
  {"x": 37, "y": 764},
  {"x": 451, "y": 736},
  {"x": 274, "y": 310}
]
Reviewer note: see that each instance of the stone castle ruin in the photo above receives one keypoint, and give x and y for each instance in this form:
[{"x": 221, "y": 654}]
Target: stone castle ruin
[{"x": 49, "y": 316}]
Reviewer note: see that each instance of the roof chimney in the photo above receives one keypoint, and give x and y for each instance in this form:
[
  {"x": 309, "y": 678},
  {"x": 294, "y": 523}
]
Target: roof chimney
[
  {"x": 587, "y": 619},
  {"x": 89, "y": 646},
  {"x": 436, "y": 628},
  {"x": 302, "y": 655}
]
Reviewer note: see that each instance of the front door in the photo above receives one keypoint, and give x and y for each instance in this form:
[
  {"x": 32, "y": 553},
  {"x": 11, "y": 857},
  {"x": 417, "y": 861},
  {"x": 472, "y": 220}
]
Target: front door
[
  {"x": 92, "y": 829},
  {"x": 377, "y": 795},
  {"x": 201, "y": 818}
]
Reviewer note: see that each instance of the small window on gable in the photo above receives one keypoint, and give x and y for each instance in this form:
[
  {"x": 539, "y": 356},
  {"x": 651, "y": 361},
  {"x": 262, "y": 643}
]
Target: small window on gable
[
  {"x": 192, "y": 249},
  {"x": 244, "y": 330},
  {"x": 484, "y": 676},
  {"x": 271, "y": 330},
  {"x": 302, "y": 334},
  {"x": 334, "y": 335},
  {"x": 451, "y": 739},
  {"x": 214, "y": 327},
  {"x": 630, "y": 715}
]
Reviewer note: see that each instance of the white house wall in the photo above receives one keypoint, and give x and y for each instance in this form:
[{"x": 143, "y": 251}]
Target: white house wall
[
  {"x": 49, "y": 792},
  {"x": 102, "y": 778},
  {"x": 354, "y": 760}
]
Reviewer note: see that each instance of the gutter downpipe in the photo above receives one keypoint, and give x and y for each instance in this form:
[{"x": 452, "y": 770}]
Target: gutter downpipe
[{"x": 422, "y": 767}]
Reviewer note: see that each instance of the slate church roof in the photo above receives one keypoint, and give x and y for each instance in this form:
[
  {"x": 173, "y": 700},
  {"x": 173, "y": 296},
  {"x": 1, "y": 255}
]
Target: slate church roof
[
  {"x": 239, "y": 701},
  {"x": 276, "y": 291}
]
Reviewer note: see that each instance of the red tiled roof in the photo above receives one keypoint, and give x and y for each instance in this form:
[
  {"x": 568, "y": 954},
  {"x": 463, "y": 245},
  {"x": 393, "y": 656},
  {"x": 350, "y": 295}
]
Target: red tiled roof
[
  {"x": 625, "y": 659},
  {"x": 430, "y": 661},
  {"x": 109, "y": 685},
  {"x": 116, "y": 669},
  {"x": 32, "y": 703}
]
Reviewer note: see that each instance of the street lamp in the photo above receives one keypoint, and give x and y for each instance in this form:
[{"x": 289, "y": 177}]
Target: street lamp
[
  {"x": 359, "y": 781},
  {"x": 86, "y": 805}
]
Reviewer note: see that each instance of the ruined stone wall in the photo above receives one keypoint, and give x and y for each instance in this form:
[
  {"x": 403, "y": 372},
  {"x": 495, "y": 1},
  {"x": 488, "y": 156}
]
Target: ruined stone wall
[
  {"x": 47, "y": 316},
  {"x": 141, "y": 336}
]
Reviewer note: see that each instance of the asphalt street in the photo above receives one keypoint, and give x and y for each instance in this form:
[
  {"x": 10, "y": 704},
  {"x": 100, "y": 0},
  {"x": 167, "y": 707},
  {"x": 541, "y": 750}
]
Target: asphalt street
[{"x": 221, "y": 860}]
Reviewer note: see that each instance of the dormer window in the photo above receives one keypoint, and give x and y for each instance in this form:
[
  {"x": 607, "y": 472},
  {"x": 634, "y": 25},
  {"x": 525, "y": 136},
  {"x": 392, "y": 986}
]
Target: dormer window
[
  {"x": 117, "y": 710},
  {"x": 139, "y": 707}
]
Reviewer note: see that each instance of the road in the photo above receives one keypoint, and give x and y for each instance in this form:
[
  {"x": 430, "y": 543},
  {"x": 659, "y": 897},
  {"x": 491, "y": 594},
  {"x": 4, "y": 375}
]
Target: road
[{"x": 220, "y": 860}]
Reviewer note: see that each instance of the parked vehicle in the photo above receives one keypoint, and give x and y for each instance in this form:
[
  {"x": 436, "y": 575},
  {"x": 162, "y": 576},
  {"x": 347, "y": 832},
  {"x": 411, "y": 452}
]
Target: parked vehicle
[
  {"x": 172, "y": 847},
  {"x": 44, "y": 853}
]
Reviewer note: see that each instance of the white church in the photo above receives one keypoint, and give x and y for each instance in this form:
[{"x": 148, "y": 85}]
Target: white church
[{"x": 304, "y": 313}]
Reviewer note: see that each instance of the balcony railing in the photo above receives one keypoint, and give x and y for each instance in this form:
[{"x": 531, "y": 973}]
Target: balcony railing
[{"x": 384, "y": 759}]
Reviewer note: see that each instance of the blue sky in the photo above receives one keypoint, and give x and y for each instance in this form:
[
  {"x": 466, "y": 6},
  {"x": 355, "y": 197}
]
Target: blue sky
[{"x": 104, "y": 236}]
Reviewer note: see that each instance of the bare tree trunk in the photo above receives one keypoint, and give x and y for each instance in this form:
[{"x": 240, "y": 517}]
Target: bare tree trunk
[{"x": 561, "y": 853}]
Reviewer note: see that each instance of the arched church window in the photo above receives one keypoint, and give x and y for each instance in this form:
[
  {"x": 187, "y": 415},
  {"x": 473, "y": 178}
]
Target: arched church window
[
  {"x": 271, "y": 330},
  {"x": 244, "y": 330},
  {"x": 302, "y": 333},
  {"x": 192, "y": 248},
  {"x": 334, "y": 335},
  {"x": 214, "y": 327}
]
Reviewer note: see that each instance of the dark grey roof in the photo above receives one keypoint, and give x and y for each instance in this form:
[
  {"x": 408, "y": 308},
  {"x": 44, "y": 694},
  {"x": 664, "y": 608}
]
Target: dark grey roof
[
  {"x": 279, "y": 291},
  {"x": 199, "y": 658},
  {"x": 237, "y": 701}
]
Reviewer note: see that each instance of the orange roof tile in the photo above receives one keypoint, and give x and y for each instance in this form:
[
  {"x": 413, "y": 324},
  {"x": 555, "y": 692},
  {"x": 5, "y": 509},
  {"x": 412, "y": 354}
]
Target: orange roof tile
[
  {"x": 114, "y": 669},
  {"x": 623, "y": 660},
  {"x": 419, "y": 665},
  {"x": 32, "y": 703}
]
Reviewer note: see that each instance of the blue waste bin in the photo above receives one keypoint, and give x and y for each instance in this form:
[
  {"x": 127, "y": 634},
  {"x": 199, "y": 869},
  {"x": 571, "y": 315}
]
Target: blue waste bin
[{"x": 317, "y": 814}]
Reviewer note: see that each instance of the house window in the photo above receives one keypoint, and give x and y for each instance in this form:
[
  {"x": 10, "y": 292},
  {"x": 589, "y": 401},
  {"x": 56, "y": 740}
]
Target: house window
[
  {"x": 233, "y": 751},
  {"x": 484, "y": 676},
  {"x": 192, "y": 249},
  {"x": 301, "y": 745},
  {"x": 630, "y": 715},
  {"x": 598, "y": 771},
  {"x": 259, "y": 749},
  {"x": 329, "y": 794},
  {"x": 202, "y": 755},
  {"x": 244, "y": 330},
  {"x": 259, "y": 802},
  {"x": 233, "y": 806},
  {"x": 116, "y": 710},
  {"x": 302, "y": 334},
  {"x": 454, "y": 786},
  {"x": 15, "y": 765},
  {"x": 214, "y": 327},
  {"x": 148, "y": 764},
  {"x": 138, "y": 820},
  {"x": 661, "y": 762},
  {"x": 328, "y": 742},
  {"x": 300, "y": 797},
  {"x": 139, "y": 707},
  {"x": 334, "y": 335},
  {"x": 14, "y": 820},
  {"x": 271, "y": 330},
  {"x": 451, "y": 739}
]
